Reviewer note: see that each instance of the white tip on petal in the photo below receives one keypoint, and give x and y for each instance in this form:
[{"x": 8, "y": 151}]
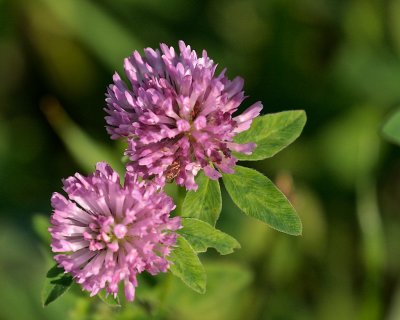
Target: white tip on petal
[{"x": 250, "y": 113}]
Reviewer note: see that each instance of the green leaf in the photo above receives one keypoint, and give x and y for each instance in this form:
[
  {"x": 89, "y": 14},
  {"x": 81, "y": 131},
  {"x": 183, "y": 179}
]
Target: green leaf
[
  {"x": 391, "y": 128},
  {"x": 109, "y": 299},
  {"x": 205, "y": 204},
  {"x": 56, "y": 284},
  {"x": 41, "y": 224},
  {"x": 186, "y": 265},
  {"x": 202, "y": 236},
  {"x": 54, "y": 272},
  {"x": 259, "y": 198},
  {"x": 271, "y": 133}
]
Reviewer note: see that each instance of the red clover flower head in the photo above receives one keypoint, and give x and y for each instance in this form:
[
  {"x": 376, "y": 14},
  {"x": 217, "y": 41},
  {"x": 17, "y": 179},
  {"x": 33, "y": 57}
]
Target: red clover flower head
[
  {"x": 107, "y": 233},
  {"x": 178, "y": 115}
]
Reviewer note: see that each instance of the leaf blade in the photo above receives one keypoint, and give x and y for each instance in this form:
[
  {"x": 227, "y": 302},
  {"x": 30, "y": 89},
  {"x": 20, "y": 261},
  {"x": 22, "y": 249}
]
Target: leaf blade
[
  {"x": 206, "y": 203},
  {"x": 391, "y": 128},
  {"x": 56, "y": 284},
  {"x": 202, "y": 236},
  {"x": 272, "y": 133},
  {"x": 186, "y": 265},
  {"x": 259, "y": 198},
  {"x": 109, "y": 299}
]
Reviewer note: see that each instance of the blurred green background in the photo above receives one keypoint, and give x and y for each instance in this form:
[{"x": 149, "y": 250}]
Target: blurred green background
[{"x": 339, "y": 60}]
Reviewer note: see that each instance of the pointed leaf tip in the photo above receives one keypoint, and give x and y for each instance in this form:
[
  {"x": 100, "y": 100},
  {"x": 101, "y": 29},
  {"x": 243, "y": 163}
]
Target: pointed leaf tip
[
  {"x": 56, "y": 284},
  {"x": 259, "y": 198},
  {"x": 109, "y": 299},
  {"x": 391, "y": 128},
  {"x": 202, "y": 236}
]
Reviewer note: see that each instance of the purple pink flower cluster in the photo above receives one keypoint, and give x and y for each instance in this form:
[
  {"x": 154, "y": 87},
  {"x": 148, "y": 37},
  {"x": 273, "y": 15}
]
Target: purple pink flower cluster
[
  {"x": 177, "y": 117},
  {"x": 112, "y": 232}
]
